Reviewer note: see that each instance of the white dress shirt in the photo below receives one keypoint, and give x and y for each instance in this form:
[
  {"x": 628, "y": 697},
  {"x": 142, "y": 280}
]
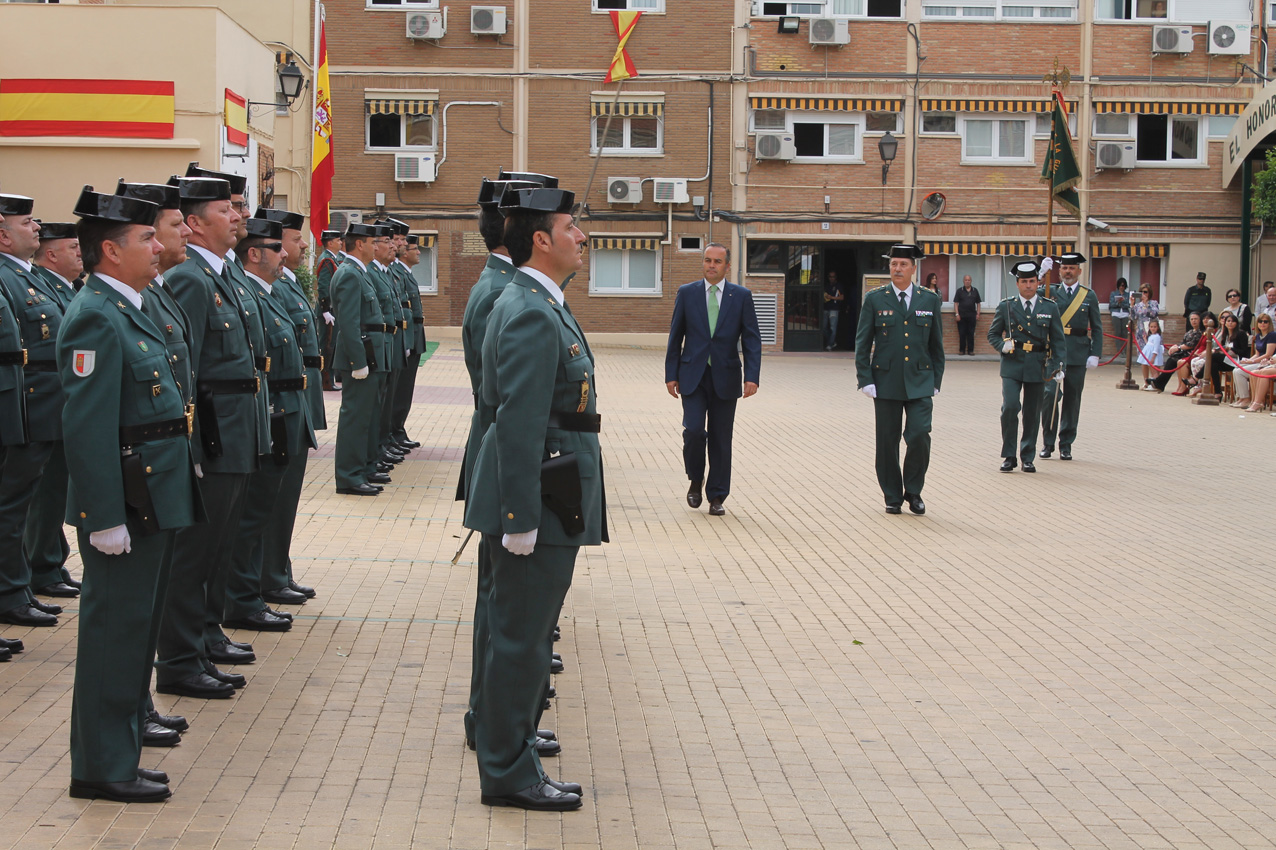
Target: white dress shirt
[{"x": 544, "y": 279}]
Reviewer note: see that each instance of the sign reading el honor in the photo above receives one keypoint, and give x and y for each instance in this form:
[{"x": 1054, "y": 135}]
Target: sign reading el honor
[{"x": 1251, "y": 128}]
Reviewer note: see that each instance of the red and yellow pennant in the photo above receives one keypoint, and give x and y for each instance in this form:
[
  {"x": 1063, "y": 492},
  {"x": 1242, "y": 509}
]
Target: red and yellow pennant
[
  {"x": 622, "y": 66},
  {"x": 131, "y": 109},
  {"x": 322, "y": 167},
  {"x": 236, "y": 118}
]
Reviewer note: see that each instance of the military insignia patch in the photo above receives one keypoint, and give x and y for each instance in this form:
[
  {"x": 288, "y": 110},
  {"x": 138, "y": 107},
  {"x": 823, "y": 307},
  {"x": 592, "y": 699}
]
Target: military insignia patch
[
  {"x": 575, "y": 350},
  {"x": 156, "y": 389},
  {"x": 142, "y": 345},
  {"x": 83, "y": 362},
  {"x": 217, "y": 298}
]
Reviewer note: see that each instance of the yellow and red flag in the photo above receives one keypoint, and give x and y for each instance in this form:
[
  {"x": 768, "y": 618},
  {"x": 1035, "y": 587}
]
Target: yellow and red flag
[
  {"x": 622, "y": 66},
  {"x": 321, "y": 165},
  {"x": 235, "y": 115},
  {"x": 132, "y": 109}
]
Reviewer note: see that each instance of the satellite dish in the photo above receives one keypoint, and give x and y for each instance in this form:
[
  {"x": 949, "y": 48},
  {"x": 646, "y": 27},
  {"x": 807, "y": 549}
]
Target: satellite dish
[{"x": 933, "y": 206}]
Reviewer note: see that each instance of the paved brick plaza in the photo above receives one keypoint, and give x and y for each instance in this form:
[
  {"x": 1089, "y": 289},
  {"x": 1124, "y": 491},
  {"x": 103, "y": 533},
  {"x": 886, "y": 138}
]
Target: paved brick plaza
[{"x": 1060, "y": 660}]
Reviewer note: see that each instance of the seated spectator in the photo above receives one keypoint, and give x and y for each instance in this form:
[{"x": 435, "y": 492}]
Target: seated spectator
[
  {"x": 1268, "y": 300},
  {"x": 1181, "y": 352},
  {"x": 1232, "y": 339},
  {"x": 1152, "y": 354},
  {"x": 1189, "y": 373},
  {"x": 1244, "y": 315},
  {"x": 1262, "y": 362}
]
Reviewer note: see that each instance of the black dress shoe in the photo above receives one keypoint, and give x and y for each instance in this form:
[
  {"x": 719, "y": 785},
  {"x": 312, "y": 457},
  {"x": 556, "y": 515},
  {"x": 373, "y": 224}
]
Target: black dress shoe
[
  {"x": 391, "y": 457},
  {"x": 155, "y": 735},
  {"x": 308, "y": 592},
  {"x": 169, "y": 721},
  {"x": 411, "y": 444},
  {"x": 152, "y": 775},
  {"x": 358, "y": 490},
  {"x": 284, "y": 596},
  {"x": 915, "y": 504},
  {"x": 137, "y": 791},
  {"x": 58, "y": 589},
  {"x": 5, "y": 654},
  {"x": 224, "y": 653},
  {"x": 235, "y": 680},
  {"x": 383, "y": 466},
  {"x": 565, "y": 787},
  {"x": 693, "y": 494},
  {"x": 14, "y": 645},
  {"x": 555, "y": 665},
  {"x": 199, "y": 686},
  {"x": 27, "y": 615},
  {"x": 378, "y": 478},
  {"x": 283, "y": 615},
  {"x": 1065, "y": 454},
  {"x": 894, "y": 509},
  {"x": 46, "y": 607},
  {"x": 553, "y": 692},
  {"x": 541, "y": 797},
  {"x": 547, "y": 749},
  {"x": 558, "y": 633},
  {"x": 547, "y": 734},
  {"x": 262, "y": 621},
  {"x": 68, "y": 581},
  {"x": 1028, "y": 467},
  {"x": 377, "y": 487},
  {"x": 239, "y": 644},
  {"x": 716, "y": 509},
  {"x": 545, "y": 705},
  {"x": 1045, "y": 452},
  {"x": 1008, "y": 465}
]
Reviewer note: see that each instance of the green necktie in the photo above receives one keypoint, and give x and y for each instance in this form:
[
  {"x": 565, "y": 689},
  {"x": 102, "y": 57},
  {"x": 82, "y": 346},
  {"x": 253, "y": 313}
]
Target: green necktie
[{"x": 713, "y": 308}]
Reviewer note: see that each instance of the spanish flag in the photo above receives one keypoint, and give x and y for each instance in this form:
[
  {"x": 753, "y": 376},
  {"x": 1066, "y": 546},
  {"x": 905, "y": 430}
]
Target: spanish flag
[
  {"x": 321, "y": 165},
  {"x": 622, "y": 66},
  {"x": 235, "y": 115},
  {"x": 132, "y": 109}
]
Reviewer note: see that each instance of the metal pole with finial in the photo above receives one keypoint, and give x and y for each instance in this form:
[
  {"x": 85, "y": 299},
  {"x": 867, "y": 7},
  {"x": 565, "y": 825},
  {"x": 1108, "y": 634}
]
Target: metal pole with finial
[{"x": 1058, "y": 79}]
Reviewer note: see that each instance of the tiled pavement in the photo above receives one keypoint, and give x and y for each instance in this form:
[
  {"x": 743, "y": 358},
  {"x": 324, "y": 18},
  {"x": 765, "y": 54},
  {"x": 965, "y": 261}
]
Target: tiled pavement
[{"x": 1077, "y": 659}]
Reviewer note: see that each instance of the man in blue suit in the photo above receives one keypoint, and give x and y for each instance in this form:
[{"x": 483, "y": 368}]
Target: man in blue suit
[{"x": 713, "y": 320}]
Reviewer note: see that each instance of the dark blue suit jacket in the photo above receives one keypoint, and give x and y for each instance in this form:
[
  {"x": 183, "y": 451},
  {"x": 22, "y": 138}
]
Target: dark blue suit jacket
[{"x": 690, "y": 346}]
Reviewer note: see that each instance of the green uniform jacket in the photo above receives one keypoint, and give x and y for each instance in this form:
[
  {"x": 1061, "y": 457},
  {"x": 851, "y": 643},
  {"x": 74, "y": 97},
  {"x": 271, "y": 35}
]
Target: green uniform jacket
[
  {"x": 288, "y": 293},
  {"x": 355, "y": 297},
  {"x": 392, "y": 309},
  {"x": 13, "y": 411},
  {"x": 39, "y": 316},
  {"x": 169, "y": 317},
  {"x": 535, "y": 360},
  {"x": 412, "y": 294},
  {"x": 491, "y": 283},
  {"x": 1038, "y": 330},
  {"x": 325, "y": 267},
  {"x": 286, "y": 365},
  {"x": 116, "y": 372},
  {"x": 903, "y": 355},
  {"x": 1085, "y": 322},
  {"x": 62, "y": 291},
  {"x": 221, "y": 351}
]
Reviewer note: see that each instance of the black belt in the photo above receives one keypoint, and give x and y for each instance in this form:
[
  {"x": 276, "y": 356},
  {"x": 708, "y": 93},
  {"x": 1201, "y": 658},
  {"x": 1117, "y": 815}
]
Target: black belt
[
  {"x": 1077, "y": 331},
  {"x": 405, "y": 304},
  {"x": 590, "y": 422},
  {"x": 130, "y": 434},
  {"x": 312, "y": 362},
  {"x": 13, "y": 358},
  {"x": 251, "y": 385},
  {"x": 379, "y": 328},
  {"x": 289, "y": 385},
  {"x": 420, "y": 320},
  {"x": 262, "y": 363},
  {"x": 1028, "y": 346},
  {"x": 41, "y": 366}
]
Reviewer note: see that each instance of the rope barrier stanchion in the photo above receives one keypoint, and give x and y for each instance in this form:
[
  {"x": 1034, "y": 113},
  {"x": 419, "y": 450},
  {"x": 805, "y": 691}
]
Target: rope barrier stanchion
[
  {"x": 1207, "y": 396},
  {"x": 1127, "y": 381}
]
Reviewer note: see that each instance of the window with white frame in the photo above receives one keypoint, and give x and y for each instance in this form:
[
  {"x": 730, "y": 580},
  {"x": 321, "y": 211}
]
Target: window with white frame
[
  {"x": 624, "y": 266},
  {"x": 1220, "y": 126},
  {"x": 768, "y": 119},
  {"x": 397, "y": 120},
  {"x": 781, "y": 10},
  {"x": 1178, "y": 11},
  {"x": 1000, "y": 141},
  {"x": 627, "y": 128},
  {"x": 827, "y": 136},
  {"x": 1000, "y": 10},
  {"x": 883, "y": 122},
  {"x": 939, "y": 123},
  {"x": 402, "y": 4},
  {"x": 1112, "y": 124},
  {"x": 831, "y": 9},
  {"x": 1168, "y": 139},
  {"x": 427, "y": 281},
  {"x": 1045, "y": 122},
  {"x": 656, "y": 6}
]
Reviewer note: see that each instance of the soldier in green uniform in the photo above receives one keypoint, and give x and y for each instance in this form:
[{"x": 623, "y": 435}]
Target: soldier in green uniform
[
  {"x": 1083, "y": 329},
  {"x": 278, "y": 586},
  {"x": 38, "y": 317},
  {"x": 899, "y": 363},
  {"x": 132, "y": 486},
  {"x": 401, "y": 319},
  {"x": 392, "y": 311},
  {"x": 361, "y": 362},
  {"x": 11, "y": 427},
  {"x": 409, "y": 255},
  {"x": 325, "y": 267},
  {"x": 536, "y": 492},
  {"x": 44, "y": 543},
  {"x": 1029, "y": 336},
  {"x": 262, "y": 254}
]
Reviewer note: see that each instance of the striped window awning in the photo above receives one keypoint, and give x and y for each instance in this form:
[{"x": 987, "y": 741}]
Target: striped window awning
[
  {"x": 427, "y": 240},
  {"x": 624, "y": 243},
  {"x": 828, "y": 104},
  {"x": 1145, "y": 107},
  {"x": 1099, "y": 250},
  {"x": 628, "y": 108},
  {"x": 935, "y": 104},
  {"x": 401, "y": 106},
  {"x": 995, "y": 249}
]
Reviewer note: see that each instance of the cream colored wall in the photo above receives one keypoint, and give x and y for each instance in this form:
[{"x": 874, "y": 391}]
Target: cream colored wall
[{"x": 1221, "y": 262}]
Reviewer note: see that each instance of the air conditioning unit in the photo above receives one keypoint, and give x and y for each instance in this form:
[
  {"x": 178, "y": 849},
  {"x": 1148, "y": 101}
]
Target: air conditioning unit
[
  {"x": 487, "y": 20},
  {"x": 426, "y": 25},
  {"x": 830, "y": 31},
  {"x": 341, "y": 219},
  {"x": 624, "y": 190},
  {"x": 776, "y": 146},
  {"x": 1229, "y": 38},
  {"x": 670, "y": 190},
  {"x": 1172, "y": 39},
  {"x": 414, "y": 167},
  {"x": 1115, "y": 155}
]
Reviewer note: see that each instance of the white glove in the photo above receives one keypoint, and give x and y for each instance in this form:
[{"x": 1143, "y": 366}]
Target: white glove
[
  {"x": 359, "y": 374},
  {"x": 1047, "y": 263},
  {"x": 1008, "y": 347},
  {"x": 199, "y": 471},
  {"x": 936, "y": 392},
  {"x": 112, "y": 541},
  {"x": 407, "y": 352},
  {"x": 1057, "y": 377},
  {"x": 869, "y": 390},
  {"x": 1091, "y": 362},
  {"x": 520, "y": 544},
  {"x": 329, "y": 318}
]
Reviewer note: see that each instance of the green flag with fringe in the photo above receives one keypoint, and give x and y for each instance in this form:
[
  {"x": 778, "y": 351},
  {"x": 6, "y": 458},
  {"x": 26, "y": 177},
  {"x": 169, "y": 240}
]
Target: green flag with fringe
[{"x": 1060, "y": 168}]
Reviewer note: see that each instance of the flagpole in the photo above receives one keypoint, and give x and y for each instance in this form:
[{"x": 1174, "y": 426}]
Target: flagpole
[{"x": 314, "y": 106}]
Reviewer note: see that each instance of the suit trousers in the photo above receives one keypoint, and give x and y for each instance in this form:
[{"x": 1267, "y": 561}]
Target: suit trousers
[
  {"x": 119, "y": 623},
  {"x": 327, "y": 348},
  {"x": 1062, "y": 423},
  {"x": 360, "y": 400},
  {"x": 386, "y": 421},
  {"x": 479, "y": 657},
  {"x": 276, "y": 568},
  {"x": 1033, "y": 393},
  {"x": 699, "y": 406},
  {"x": 19, "y": 475},
  {"x": 889, "y": 415},
  {"x": 526, "y": 597},
  {"x": 44, "y": 542},
  {"x": 244, "y": 578},
  {"x": 372, "y": 450},
  {"x": 966, "y": 334},
  {"x": 197, "y": 588},
  {"x": 403, "y": 397}
]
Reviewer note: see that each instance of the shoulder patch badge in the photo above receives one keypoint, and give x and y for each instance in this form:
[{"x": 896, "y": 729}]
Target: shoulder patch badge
[
  {"x": 142, "y": 345},
  {"x": 83, "y": 362}
]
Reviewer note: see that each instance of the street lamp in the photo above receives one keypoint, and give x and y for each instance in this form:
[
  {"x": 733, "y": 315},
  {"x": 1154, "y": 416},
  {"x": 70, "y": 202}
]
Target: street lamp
[
  {"x": 887, "y": 147},
  {"x": 291, "y": 81}
]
